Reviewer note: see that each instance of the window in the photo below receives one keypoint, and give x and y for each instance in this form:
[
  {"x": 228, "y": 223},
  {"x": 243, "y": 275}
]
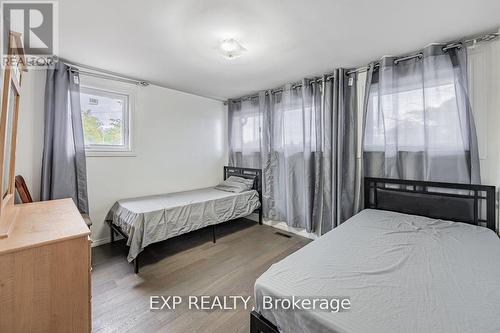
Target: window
[
  {"x": 292, "y": 128},
  {"x": 245, "y": 128},
  {"x": 250, "y": 132},
  {"x": 105, "y": 118},
  {"x": 426, "y": 119},
  {"x": 295, "y": 122},
  {"x": 299, "y": 130}
]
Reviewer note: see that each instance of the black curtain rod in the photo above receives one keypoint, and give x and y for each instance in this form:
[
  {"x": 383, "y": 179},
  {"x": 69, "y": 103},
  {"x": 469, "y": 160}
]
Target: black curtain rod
[
  {"x": 328, "y": 77},
  {"x": 449, "y": 46}
]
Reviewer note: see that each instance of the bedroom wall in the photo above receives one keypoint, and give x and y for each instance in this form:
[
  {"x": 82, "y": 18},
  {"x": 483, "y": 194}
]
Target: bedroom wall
[{"x": 179, "y": 143}]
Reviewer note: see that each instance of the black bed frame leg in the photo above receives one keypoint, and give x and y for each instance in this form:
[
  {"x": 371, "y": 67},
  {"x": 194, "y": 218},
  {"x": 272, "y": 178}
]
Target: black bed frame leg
[
  {"x": 112, "y": 233},
  {"x": 254, "y": 323},
  {"x": 213, "y": 233},
  {"x": 259, "y": 324},
  {"x": 136, "y": 265},
  {"x": 260, "y": 216}
]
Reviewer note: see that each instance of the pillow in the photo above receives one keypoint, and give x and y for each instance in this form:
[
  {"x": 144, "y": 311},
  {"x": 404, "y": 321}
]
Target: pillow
[
  {"x": 235, "y": 184},
  {"x": 247, "y": 181}
]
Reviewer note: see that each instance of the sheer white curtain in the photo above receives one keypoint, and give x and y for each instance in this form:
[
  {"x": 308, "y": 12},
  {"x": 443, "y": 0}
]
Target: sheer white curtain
[
  {"x": 297, "y": 171},
  {"x": 419, "y": 123},
  {"x": 289, "y": 135},
  {"x": 245, "y": 124}
]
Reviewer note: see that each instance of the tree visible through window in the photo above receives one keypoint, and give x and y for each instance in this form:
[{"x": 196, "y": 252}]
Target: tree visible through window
[{"x": 105, "y": 120}]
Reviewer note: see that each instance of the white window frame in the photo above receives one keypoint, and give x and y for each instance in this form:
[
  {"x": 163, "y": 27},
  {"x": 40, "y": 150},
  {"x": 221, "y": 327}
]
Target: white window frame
[{"x": 113, "y": 88}]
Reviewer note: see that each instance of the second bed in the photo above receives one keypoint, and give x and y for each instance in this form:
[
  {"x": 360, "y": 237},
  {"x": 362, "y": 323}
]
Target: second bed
[
  {"x": 151, "y": 219},
  {"x": 418, "y": 259}
]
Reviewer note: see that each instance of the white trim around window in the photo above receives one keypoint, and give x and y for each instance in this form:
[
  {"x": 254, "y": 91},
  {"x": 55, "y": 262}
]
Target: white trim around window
[{"x": 127, "y": 94}]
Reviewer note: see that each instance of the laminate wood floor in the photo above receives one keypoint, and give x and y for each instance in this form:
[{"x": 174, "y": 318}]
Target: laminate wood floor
[{"x": 186, "y": 265}]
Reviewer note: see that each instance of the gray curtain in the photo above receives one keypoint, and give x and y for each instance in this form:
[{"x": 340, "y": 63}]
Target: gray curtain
[
  {"x": 306, "y": 140},
  {"x": 349, "y": 122},
  {"x": 289, "y": 136},
  {"x": 63, "y": 166},
  {"x": 347, "y": 138},
  {"x": 419, "y": 123},
  {"x": 297, "y": 151}
]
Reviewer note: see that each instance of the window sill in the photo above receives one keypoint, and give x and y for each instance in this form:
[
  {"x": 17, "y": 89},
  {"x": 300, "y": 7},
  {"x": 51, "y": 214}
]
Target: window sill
[{"x": 110, "y": 154}]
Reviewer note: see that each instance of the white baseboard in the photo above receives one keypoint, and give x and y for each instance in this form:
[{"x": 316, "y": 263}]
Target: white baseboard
[
  {"x": 283, "y": 226},
  {"x": 105, "y": 240}
]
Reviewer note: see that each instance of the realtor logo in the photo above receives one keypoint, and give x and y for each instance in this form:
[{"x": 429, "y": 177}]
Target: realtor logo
[{"x": 37, "y": 23}]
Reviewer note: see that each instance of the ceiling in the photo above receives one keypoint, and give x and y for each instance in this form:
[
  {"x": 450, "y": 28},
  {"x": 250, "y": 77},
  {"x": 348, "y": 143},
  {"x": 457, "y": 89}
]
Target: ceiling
[{"x": 174, "y": 43}]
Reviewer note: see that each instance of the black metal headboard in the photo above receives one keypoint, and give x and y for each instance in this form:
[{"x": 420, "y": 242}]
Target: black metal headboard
[
  {"x": 249, "y": 173},
  {"x": 447, "y": 201}
]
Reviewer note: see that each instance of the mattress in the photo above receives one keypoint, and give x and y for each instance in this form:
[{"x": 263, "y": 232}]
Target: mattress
[
  {"x": 150, "y": 219},
  {"x": 401, "y": 273}
]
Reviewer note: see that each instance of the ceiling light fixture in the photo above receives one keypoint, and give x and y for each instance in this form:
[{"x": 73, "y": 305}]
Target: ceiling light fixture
[{"x": 231, "y": 48}]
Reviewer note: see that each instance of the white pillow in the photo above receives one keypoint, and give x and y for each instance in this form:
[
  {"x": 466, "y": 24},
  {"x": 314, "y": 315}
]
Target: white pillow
[
  {"x": 247, "y": 181},
  {"x": 235, "y": 184}
]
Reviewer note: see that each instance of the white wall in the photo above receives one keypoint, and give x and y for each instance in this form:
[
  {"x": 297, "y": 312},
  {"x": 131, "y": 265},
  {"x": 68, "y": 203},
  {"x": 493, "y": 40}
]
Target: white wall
[
  {"x": 484, "y": 73},
  {"x": 179, "y": 143}
]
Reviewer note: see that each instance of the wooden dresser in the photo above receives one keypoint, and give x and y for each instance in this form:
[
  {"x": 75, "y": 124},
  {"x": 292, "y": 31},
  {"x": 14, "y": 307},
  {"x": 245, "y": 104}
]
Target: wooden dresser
[{"x": 45, "y": 270}]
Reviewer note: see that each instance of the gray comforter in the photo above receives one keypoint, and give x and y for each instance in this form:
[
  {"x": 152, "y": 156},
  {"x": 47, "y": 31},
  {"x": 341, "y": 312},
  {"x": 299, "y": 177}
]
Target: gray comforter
[
  {"x": 402, "y": 273},
  {"x": 152, "y": 219}
]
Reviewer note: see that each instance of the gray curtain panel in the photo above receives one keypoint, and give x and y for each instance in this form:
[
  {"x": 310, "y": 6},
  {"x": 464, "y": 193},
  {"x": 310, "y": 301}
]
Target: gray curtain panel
[
  {"x": 289, "y": 136},
  {"x": 63, "y": 166},
  {"x": 306, "y": 140},
  {"x": 419, "y": 122},
  {"x": 298, "y": 154},
  {"x": 347, "y": 138},
  {"x": 360, "y": 204},
  {"x": 348, "y": 123}
]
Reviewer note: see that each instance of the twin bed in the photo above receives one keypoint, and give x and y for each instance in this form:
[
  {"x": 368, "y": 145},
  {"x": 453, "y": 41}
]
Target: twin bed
[
  {"x": 419, "y": 258},
  {"x": 146, "y": 220}
]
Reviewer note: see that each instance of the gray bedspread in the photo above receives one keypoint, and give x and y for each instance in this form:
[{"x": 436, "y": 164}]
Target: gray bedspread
[
  {"x": 402, "y": 273},
  {"x": 152, "y": 219}
]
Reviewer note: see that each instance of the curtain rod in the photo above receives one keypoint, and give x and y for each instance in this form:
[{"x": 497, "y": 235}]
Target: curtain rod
[
  {"x": 103, "y": 74},
  {"x": 328, "y": 77},
  {"x": 483, "y": 38},
  {"x": 449, "y": 46}
]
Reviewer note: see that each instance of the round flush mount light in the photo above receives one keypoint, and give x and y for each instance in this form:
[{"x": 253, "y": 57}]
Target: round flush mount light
[{"x": 231, "y": 48}]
